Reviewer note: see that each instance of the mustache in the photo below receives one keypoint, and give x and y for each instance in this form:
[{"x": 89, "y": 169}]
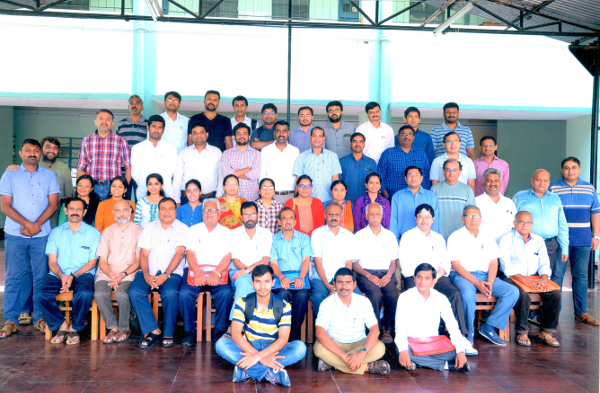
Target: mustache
[
  {"x": 334, "y": 220},
  {"x": 74, "y": 215}
]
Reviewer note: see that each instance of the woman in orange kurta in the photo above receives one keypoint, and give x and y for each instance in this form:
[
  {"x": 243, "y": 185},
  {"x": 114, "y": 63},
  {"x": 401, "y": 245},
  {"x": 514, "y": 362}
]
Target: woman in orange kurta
[
  {"x": 231, "y": 204},
  {"x": 338, "y": 192},
  {"x": 104, "y": 214},
  {"x": 310, "y": 213}
]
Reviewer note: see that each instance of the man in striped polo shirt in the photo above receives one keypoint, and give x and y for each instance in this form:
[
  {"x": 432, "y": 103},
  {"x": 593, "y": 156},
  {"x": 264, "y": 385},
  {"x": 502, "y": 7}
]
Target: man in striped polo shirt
[
  {"x": 582, "y": 211},
  {"x": 258, "y": 346},
  {"x": 135, "y": 130},
  {"x": 451, "y": 123}
]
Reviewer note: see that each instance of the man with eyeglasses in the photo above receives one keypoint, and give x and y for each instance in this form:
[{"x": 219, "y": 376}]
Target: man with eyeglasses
[
  {"x": 176, "y": 124},
  {"x": 337, "y": 131},
  {"x": 264, "y": 135},
  {"x": 240, "y": 106},
  {"x": 355, "y": 168},
  {"x": 452, "y": 144},
  {"x": 474, "y": 255},
  {"x": 523, "y": 254},
  {"x": 208, "y": 252},
  {"x": 243, "y": 162},
  {"x": 488, "y": 159},
  {"x": 412, "y": 117},
  {"x": 300, "y": 136},
  {"x": 451, "y": 123},
  {"x": 379, "y": 136},
  {"x": 250, "y": 247},
  {"x": 498, "y": 211},
  {"x": 217, "y": 126},
  {"x": 452, "y": 197},
  {"x": 277, "y": 163},
  {"x": 395, "y": 160}
]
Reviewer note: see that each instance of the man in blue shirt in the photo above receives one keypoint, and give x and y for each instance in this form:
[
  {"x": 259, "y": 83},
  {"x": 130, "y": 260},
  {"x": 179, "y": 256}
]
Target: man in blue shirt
[
  {"x": 29, "y": 198},
  {"x": 582, "y": 211},
  {"x": 290, "y": 260},
  {"x": 395, "y": 160},
  {"x": 355, "y": 168},
  {"x": 412, "y": 117},
  {"x": 71, "y": 251},
  {"x": 451, "y": 123}
]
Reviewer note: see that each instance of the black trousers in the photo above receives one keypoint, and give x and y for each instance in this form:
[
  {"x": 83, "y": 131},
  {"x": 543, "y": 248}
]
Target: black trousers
[
  {"x": 550, "y": 310},
  {"x": 386, "y": 296},
  {"x": 445, "y": 287},
  {"x": 299, "y": 300}
]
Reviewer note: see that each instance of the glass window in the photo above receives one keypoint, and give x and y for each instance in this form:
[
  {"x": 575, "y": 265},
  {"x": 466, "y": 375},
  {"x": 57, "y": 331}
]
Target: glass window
[{"x": 299, "y": 9}]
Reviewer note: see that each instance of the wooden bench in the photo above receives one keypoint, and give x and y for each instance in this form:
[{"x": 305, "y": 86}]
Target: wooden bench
[
  {"x": 67, "y": 297},
  {"x": 536, "y": 304},
  {"x": 483, "y": 303},
  {"x": 307, "y": 332},
  {"x": 156, "y": 302}
]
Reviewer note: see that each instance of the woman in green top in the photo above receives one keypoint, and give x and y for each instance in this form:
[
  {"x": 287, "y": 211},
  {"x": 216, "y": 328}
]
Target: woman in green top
[{"x": 84, "y": 189}]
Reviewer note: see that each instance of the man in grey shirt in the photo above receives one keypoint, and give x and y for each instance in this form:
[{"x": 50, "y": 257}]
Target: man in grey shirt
[{"x": 337, "y": 131}]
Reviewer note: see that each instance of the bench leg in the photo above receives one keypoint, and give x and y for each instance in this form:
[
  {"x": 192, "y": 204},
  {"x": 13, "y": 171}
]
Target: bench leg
[
  {"x": 311, "y": 324},
  {"x": 94, "y": 321},
  {"x": 208, "y": 317},
  {"x": 199, "y": 314}
]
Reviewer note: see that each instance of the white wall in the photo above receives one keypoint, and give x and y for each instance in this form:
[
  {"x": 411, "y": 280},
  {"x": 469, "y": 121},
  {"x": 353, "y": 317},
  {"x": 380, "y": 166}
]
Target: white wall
[{"x": 578, "y": 142}]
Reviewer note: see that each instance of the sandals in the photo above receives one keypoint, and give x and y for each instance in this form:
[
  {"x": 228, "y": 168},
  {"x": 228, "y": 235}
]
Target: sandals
[
  {"x": 149, "y": 341},
  {"x": 547, "y": 339},
  {"x": 110, "y": 337},
  {"x": 587, "y": 318},
  {"x": 8, "y": 329},
  {"x": 122, "y": 339},
  {"x": 25, "y": 320},
  {"x": 73, "y": 335},
  {"x": 38, "y": 325},
  {"x": 524, "y": 342},
  {"x": 61, "y": 335},
  {"x": 168, "y": 342}
]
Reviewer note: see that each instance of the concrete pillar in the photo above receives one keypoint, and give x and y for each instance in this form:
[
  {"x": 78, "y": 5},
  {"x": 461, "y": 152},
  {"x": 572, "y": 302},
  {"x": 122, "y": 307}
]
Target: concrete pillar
[{"x": 144, "y": 59}]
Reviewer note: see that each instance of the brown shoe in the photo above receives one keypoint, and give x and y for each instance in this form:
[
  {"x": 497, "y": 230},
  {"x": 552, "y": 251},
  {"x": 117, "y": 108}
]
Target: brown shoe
[
  {"x": 386, "y": 337},
  {"x": 322, "y": 366},
  {"x": 587, "y": 318},
  {"x": 379, "y": 367}
]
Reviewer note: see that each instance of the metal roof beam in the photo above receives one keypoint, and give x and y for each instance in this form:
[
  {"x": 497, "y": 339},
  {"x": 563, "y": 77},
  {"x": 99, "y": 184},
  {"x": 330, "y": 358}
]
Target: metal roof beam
[
  {"x": 46, "y": 6},
  {"x": 400, "y": 12},
  {"x": 437, "y": 12},
  {"x": 497, "y": 16},
  {"x": 218, "y": 3},
  {"x": 363, "y": 13},
  {"x": 184, "y": 8},
  {"x": 18, "y": 4},
  {"x": 542, "y": 25},
  {"x": 535, "y": 8}
]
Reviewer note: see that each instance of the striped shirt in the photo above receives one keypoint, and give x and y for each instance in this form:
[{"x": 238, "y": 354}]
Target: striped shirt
[
  {"x": 579, "y": 203},
  {"x": 346, "y": 324},
  {"x": 102, "y": 158},
  {"x": 451, "y": 201},
  {"x": 321, "y": 169},
  {"x": 262, "y": 324},
  {"x": 133, "y": 133},
  {"x": 464, "y": 132},
  {"x": 234, "y": 159}
]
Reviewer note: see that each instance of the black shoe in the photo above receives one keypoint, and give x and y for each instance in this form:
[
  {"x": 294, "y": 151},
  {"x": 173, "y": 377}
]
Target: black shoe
[
  {"x": 464, "y": 369},
  {"x": 323, "y": 366},
  {"x": 189, "y": 340}
]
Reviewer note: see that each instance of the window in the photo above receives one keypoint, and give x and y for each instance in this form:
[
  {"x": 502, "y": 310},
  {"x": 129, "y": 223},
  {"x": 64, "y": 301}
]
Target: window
[
  {"x": 227, "y": 9},
  {"x": 348, "y": 12},
  {"x": 299, "y": 9},
  {"x": 420, "y": 13}
]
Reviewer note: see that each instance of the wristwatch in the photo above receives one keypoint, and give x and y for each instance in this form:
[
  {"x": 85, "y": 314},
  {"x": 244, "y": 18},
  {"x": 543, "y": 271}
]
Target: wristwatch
[
  {"x": 168, "y": 275},
  {"x": 247, "y": 271},
  {"x": 364, "y": 349}
]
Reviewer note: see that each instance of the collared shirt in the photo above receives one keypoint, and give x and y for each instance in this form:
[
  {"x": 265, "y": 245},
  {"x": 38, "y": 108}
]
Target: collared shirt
[
  {"x": 422, "y": 141},
  {"x": 29, "y": 193},
  {"x": 346, "y": 324},
  {"x": 464, "y": 132},
  {"x": 451, "y": 201},
  {"x": 404, "y": 204},
  {"x": 234, "y": 159},
  {"x": 162, "y": 244},
  {"x": 210, "y": 247},
  {"x": 63, "y": 176},
  {"x": 249, "y": 251},
  {"x": 262, "y": 323},
  {"x": 263, "y": 134},
  {"x": 376, "y": 252},
  {"x": 354, "y": 174},
  {"x": 301, "y": 140},
  {"x": 267, "y": 218},
  {"x": 102, "y": 158},
  {"x": 218, "y": 129},
  {"x": 376, "y": 139},
  {"x": 579, "y": 203},
  {"x": 278, "y": 166},
  {"x": 73, "y": 249},
  {"x": 417, "y": 317},
  {"x": 133, "y": 133},
  {"x": 188, "y": 215},
  {"x": 176, "y": 130},
  {"x": 338, "y": 141},
  {"x": 481, "y": 165},
  {"x": 526, "y": 258},
  {"x": 334, "y": 250},
  {"x": 548, "y": 215},
  {"x": 289, "y": 254},
  {"x": 202, "y": 166},
  {"x": 417, "y": 248},
  {"x": 474, "y": 253},
  {"x": 393, "y": 164},
  {"x": 252, "y": 123},
  {"x": 496, "y": 218},
  {"x": 321, "y": 168},
  {"x": 467, "y": 173},
  {"x": 118, "y": 246},
  {"x": 147, "y": 158}
]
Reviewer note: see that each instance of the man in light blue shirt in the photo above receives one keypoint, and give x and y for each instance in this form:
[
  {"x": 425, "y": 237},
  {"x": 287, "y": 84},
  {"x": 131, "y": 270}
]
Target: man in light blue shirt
[
  {"x": 320, "y": 164},
  {"x": 451, "y": 123},
  {"x": 29, "y": 198},
  {"x": 71, "y": 251},
  {"x": 176, "y": 124}
]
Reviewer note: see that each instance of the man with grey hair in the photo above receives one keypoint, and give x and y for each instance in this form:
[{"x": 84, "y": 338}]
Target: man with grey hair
[
  {"x": 135, "y": 130},
  {"x": 375, "y": 267},
  {"x": 497, "y": 211},
  {"x": 119, "y": 261}
]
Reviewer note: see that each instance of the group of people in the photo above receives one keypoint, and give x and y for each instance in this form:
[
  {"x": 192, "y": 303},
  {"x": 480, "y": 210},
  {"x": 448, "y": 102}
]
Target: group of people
[{"x": 382, "y": 234}]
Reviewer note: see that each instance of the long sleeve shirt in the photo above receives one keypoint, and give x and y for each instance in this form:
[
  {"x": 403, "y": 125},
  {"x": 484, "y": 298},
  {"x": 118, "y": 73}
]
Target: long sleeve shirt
[
  {"x": 393, "y": 164},
  {"x": 234, "y": 159},
  {"x": 202, "y": 166},
  {"x": 527, "y": 258},
  {"x": 147, "y": 158},
  {"x": 404, "y": 204}
]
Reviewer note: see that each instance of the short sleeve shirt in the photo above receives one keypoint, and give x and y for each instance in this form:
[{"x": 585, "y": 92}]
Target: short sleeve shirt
[
  {"x": 334, "y": 250},
  {"x": 210, "y": 247},
  {"x": 376, "y": 252},
  {"x": 289, "y": 254},
  {"x": 73, "y": 249},
  {"x": 119, "y": 247},
  {"x": 474, "y": 253},
  {"x": 162, "y": 244},
  {"x": 346, "y": 324},
  {"x": 218, "y": 129},
  {"x": 262, "y": 325},
  {"x": 249, "y": 251}
]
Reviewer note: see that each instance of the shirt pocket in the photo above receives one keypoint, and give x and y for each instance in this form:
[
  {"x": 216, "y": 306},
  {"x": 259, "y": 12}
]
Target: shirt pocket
[{"x": 81, "y": 254}]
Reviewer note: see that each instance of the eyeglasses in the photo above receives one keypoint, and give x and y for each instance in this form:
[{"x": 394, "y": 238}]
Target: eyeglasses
[
  {"x": 488, "y": 145},
  {"x": 471, "y": 216},
  {"x": 213, "y": 210},
  {"x": 173, "y": 100},
  {"x": 304, "y": 115},
  {"x": 452, "y": 142},
  {"x": 268, "y": 113},
  {"x": 267, "y": 188},
  {"x": 305, "y": 186},
  {"x": 334, "y": 111},
  {"x": 249, "y": 215},
  {"x": 524, "y": 222},
  {"x": 410, "y": 175},
  {"x": 231, "y": 185},
  {"x": 405, "y": 134},
  {"x": 450, "y": 170}
]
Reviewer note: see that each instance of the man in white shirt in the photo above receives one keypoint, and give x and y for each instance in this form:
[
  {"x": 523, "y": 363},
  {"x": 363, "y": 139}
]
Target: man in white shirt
[
  {"x": 523, "y": 254},
  {"x": 176, "y": 124},
  {"x": 340, "y": 328},
  {"x": 250, "y": 247},
  {"x": 277, "y": 163},
  {"x": 375, "y": 267},
  {"x": 153, "y": 155},
  {"x": 474, "y": 255},
  {"x": 497, "y": 211},
  {"x": 208, "y": 252},
  {"x": 418, "y": 316},
  {"x": 333, "y": 249},
  {"x": 378, "y": 135},
  {"x": 199, "y": 161},
  {"x": 452, "y": 144}
]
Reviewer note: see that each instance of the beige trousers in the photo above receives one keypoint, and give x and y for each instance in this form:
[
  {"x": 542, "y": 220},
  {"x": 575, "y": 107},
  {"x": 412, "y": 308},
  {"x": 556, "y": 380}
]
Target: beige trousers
[{"x": 351, "y": 348}]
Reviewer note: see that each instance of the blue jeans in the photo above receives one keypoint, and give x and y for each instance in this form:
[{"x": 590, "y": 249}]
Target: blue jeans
[
  {"x": 507, "y": 297},
  {"x": 26, "y": 265},
  {"x": 83, "y": 295},
  {"x": 102, "y": 191},
  {"x": 580, "y": 259},
  {"x": 319, "y": 292},
  {"x": 292, "y": 353},
  {"x": 242, "y": 286}
]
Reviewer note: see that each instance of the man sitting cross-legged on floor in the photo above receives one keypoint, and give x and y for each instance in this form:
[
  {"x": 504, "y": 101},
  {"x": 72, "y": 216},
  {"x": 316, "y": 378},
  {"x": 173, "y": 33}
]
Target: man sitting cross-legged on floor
[{"x": 261, "y": 327}]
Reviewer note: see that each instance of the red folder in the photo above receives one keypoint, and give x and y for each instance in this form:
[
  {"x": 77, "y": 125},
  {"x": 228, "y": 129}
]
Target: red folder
[
  {"x": 427, "y": 346},
  {"x": 208, "y": 269}
]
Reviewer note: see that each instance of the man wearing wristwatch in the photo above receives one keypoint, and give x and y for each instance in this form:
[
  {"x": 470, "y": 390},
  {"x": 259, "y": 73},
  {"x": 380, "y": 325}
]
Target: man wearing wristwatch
[
  {"x": 208, "y": 251},
  {"x": 119, "y": 260},
  {"x": 71, "y": 251},
  {"x": 474, "y": 255}
]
